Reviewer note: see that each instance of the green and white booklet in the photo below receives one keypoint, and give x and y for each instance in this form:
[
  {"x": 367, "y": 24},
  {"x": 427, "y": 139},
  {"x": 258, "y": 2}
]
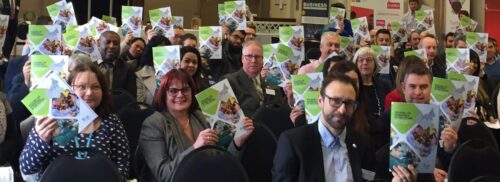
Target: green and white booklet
[
  {"x": 398, "y": 31},
  {"x": 471, "y": 89},
  {"x": 382, "y": 55},
  {"x": 235, "y": 12},
  {"x": 98, "y": 26},
  {"x": 41, "y": 65},
  {"x": 178, "y": 21},
  {"x": 360, "y": 29},
  {"x": 166, "y": 58},
  {"x": 425, "y": 21},
  {"x": 453, "y": 98},
  {"x": 336, "y": 17},
  {"x": 62, "y": 13},
  {"x": 219, "y": 104},
  {"x": 467, "y": 24},
  {"x": 457, "y": 59},
  {"x": 80, "y": 40},
  {"x": 293, "y": 37},
  {"x": 420, "y": 53},
  {"x": 53, "y": 97},
  {"x": 132, "y": 20},
  {"x": 161, "y": 20},
  {"x": 276, "y": 58},
  {"x": 222, "y": 14},
  {"x": 45, "y": 39},
  {"x": 479, "y": 43},
  {"x": 4, "y": 24},
  {"x": 346, "y": 47},
  {"x": 109, "y": 19},
  {"x": 301, "y": 85},
  {"x": 414, "y": 136},
  {"x": 211, "y": 42}
]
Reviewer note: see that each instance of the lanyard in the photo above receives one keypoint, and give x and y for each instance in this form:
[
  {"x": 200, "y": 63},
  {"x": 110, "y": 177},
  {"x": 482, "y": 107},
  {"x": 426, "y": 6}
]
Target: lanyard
[{"x": 83, "y": 155}]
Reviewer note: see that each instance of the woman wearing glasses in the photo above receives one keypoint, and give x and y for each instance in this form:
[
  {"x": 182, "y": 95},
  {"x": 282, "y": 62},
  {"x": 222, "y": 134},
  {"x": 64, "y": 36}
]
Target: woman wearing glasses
[
  {"x": 105, "y": 134},
  {"x": 177, "y": 128}
]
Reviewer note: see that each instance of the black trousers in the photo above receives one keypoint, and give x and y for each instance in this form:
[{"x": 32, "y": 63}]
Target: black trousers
[{"x": 10, "y": 38}]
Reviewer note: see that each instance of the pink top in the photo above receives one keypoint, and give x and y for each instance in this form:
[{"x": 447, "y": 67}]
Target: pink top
[{"x": 311, "y": 67}]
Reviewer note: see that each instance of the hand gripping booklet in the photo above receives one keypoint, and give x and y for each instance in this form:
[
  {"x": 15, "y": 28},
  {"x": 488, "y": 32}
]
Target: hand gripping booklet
[
  {"x": 383, "y": 55},
  {"x": 457, "y": 59},
  {"x": 301, "y": 85},
  {"x": 98, "y": 26},
  {"x": 80, "y": 40},
  {"x": 336, "y": 17},
  {"x": 45, "y": 39},
  {"x": 132, "y": 20},
  {"x": 425, "y": 21},
  {"x": 454, "y": 99},
  {"x": 62, "y": 13},
  {"x": 293, "y": 37},
  {"x": 398, "y": 31},
  {"x": 53, "y": 97},
  {"x": 161, "y": 19},
  {"x": 166, "y": 58},
  {"x": 235, "y": 12},
  {"x": 41, "y": 65},
  {"x": 219, "y": 104},
  {"x": 479, "y": 43},
  {"x": 4, "y": 24},
  {"x": 276, "y": 59},
  {"x": 414, "y": 136},
  {"x": 360, "y": 29},
  {"x": 211, "y": 42}
]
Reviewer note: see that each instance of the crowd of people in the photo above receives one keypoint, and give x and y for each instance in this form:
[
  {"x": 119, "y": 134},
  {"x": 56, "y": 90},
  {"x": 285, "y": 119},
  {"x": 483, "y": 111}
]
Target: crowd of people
[{"x": 354, "y": 101}]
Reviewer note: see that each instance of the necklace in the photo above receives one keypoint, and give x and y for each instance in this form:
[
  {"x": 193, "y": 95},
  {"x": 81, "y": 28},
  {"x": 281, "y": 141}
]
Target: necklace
[{"x": 379, "y": 107}]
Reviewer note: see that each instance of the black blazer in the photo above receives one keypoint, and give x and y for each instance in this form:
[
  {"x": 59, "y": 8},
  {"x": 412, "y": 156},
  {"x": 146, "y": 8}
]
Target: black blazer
[
  {"x": 299, "y": 156},
  {"x": 246, "y": 93},
  {"x": 6, "y": 7},
  {"x": 124, "y": 77}
]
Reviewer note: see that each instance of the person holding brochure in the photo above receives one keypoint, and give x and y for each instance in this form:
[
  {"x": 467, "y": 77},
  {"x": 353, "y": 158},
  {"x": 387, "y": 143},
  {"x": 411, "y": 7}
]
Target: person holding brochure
[
  {"x": 326, "y": 150},
  {"x": 177, "y": 128},
  {"x": 105, "y": 134},
  {"x": 330, "y": 44},
  {"x": 191, "y": 63},
  {"x": 416, "y": 88}
]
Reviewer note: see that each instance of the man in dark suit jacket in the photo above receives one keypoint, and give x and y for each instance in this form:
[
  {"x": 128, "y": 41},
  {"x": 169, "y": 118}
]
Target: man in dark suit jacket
[
  {"x": 250, "y": 88},
  {"x": 437, "y": 65},
  {"x": 326, "y": 150},
  {"x": 11, "y": 8},
  {"x": 115, "y": 70}
]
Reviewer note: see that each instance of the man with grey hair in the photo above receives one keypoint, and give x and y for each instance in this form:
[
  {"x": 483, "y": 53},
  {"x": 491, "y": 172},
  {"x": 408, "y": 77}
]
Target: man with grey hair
[
  {"x": 330, "y": 42},
  {"x": 250, "y": 88}
]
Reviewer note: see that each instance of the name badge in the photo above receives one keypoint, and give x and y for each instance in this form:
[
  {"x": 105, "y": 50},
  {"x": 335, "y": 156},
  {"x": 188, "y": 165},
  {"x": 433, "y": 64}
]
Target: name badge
[
  {"x": 367, "y": 174},
  {"x": 270, "y": 92}
]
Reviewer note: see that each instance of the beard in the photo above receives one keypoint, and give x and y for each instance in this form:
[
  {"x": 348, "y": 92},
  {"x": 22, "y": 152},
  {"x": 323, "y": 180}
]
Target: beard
[
  {"x": 235, "y": 49},
  {"x": 336, "y": 120}
]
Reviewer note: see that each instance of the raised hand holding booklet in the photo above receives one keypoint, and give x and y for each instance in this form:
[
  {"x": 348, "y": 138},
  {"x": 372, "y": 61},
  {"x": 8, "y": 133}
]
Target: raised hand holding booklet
[
  {"x": 161, "y": 20},
  {"x": 336, "y": 17},
  {"x": 45, "y": 39},
  {"x": 98, "y": 26},
  {"x": 80, "y": 40},
  {"x": 41, "y": 65},
  {"x": 360, "y": 29},
  {"x": 235, "y": 12},
  {"x": 276, "y": 59},
  {"x": 132, "y": 20},
  {"x": 211, "y": 42},
  {"x": 382, "y": 55},
  {"x": 293, "y": 37},
  {"x": 62, "y": 13},
  {"x": 398, "y": 31},
  {"x": 467, "y": 24},
  {"x": 457, "y": 59},
  {"x": 301, "y": 85},
  {"x": 53, "y": 97},
  {"x": 479, "y": 43},
  {"x": 425, "y": 21},
  {"x": 414, "y": 136},
  {"x": 166, "y": 58},
  {"x": 219, "y": 104}
]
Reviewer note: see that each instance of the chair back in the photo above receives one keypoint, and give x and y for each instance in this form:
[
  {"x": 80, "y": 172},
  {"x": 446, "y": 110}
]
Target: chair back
[
  {"x": 66, "y": 167},
  {"x": 477, "y": 131},
  {"x": 210, "y": 163},
  {"x": 257, "y": 156},
  {"x": 120, "y": 98},
  {"x": 472, "y": 159}
]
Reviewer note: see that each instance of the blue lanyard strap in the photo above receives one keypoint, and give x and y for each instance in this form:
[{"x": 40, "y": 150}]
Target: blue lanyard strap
[{"x": 83, "y": 155}]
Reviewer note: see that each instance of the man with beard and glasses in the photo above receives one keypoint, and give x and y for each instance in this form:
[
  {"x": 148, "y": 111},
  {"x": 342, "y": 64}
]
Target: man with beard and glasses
[
  {"x": 326, "y": 150},
  {"x": 231, "y": 49},
  {"x": 116, "y": 72}
]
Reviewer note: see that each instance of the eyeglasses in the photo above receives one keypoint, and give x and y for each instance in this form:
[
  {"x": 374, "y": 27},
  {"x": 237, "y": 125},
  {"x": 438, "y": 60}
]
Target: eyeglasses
[
  {"x": 174, "y": 91},
  {"x": 336, "y": 102},
  {"x": 250, "y": 57},
  {"x": 81, "y": 88}
]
